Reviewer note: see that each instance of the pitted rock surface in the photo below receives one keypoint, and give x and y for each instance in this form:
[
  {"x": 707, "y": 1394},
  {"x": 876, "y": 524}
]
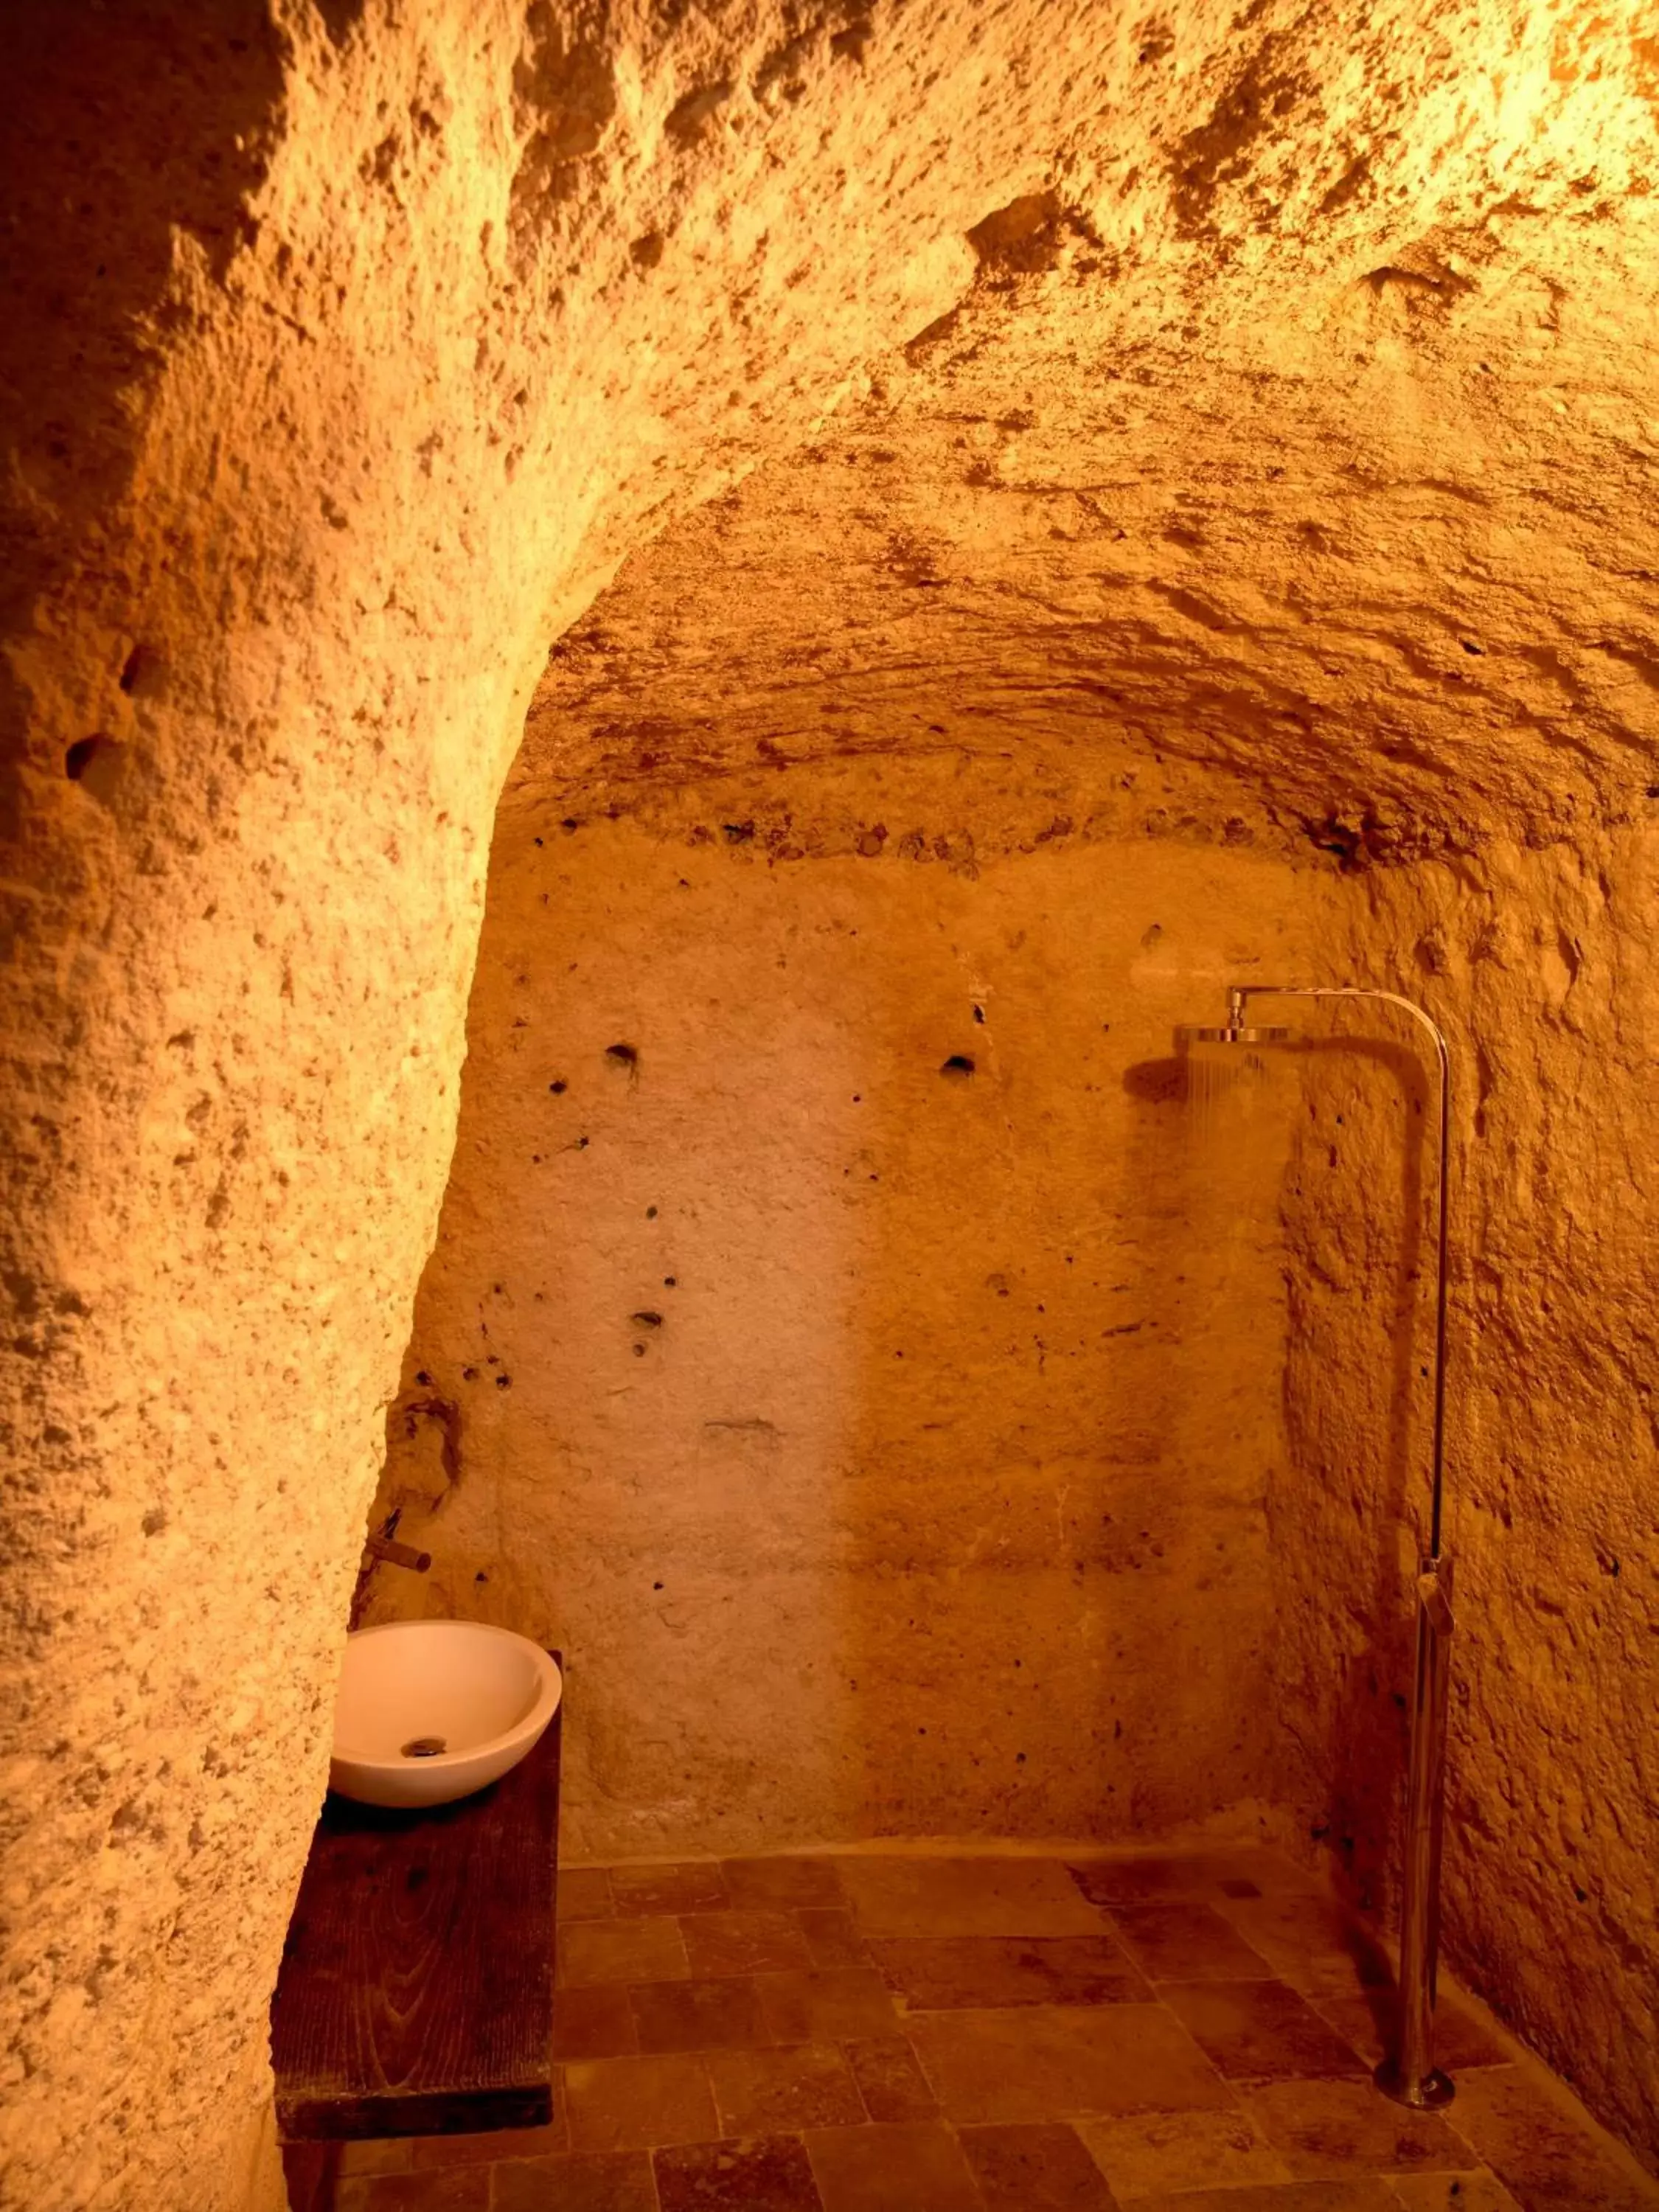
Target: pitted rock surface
[{"x": 348, "y": 350}]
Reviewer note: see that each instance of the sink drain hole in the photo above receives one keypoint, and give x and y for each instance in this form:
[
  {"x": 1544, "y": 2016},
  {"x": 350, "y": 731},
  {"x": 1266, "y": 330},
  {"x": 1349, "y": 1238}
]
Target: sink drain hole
[{"x": 424, "y": 1746}]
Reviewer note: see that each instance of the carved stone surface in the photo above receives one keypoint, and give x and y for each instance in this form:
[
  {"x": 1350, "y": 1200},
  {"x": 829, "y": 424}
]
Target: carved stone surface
[{"x": 347, "y": 352}]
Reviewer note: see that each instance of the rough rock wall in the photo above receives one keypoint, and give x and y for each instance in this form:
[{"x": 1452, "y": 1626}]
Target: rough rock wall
[
  {"x": 1541, "y": 966},
  {"x": 346, "y": 349},
  {"x": 841, "y": 1339}
]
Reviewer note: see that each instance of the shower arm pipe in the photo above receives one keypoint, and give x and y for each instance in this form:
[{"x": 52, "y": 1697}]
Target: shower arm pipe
[{"x": 1237, "y": 997}]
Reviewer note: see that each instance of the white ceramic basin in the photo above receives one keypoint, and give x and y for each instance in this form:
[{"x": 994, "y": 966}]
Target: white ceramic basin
[{"x": 433, "y": 1710}]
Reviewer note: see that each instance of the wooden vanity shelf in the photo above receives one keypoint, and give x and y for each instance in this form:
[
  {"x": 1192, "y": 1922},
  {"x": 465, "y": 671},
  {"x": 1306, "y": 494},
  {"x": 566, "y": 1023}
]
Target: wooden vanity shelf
[{"x": 415, "y": 1995}]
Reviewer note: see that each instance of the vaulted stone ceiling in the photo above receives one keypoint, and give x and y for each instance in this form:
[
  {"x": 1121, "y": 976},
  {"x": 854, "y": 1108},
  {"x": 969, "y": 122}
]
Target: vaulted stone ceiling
[{"x": 1382, "y": 553}]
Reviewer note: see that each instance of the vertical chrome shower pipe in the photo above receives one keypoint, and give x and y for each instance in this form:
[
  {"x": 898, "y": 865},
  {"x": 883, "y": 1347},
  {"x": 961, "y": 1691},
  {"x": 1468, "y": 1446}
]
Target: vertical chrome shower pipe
[{"x": 1408, "y": 2073}]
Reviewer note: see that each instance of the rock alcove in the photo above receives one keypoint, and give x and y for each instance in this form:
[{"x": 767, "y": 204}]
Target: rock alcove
[{"x": 1030, "y": 509}]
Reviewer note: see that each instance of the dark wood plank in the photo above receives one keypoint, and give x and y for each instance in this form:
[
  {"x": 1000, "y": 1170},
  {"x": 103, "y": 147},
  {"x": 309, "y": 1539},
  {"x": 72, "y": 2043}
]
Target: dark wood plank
[
  {"x": 415, "y": 1995},
  {"x": 310, "y": 2171}
]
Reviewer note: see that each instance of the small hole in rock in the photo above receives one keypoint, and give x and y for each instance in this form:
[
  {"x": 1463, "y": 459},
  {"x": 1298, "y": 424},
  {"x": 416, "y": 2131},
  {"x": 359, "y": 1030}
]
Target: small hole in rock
[
  {"x": 83, "y": 752},
  {"x": 959, "y": 1066}
]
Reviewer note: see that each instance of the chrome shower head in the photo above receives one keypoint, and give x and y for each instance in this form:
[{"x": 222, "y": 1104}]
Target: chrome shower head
[
  {"x": 1244, "y": 1033},
  {"x": 1236, "y": 1030}
]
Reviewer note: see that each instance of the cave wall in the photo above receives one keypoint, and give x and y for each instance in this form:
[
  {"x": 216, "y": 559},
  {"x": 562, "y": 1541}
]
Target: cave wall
[
  {"x": 347, "y": 350},
  {"x": 1540, "y": 964},
  {"x": 841, "y": 1339}
]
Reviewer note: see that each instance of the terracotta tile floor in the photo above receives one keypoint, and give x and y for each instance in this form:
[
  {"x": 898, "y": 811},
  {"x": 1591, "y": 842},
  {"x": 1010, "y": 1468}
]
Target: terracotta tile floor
[{"x": 898, "y": 2033}]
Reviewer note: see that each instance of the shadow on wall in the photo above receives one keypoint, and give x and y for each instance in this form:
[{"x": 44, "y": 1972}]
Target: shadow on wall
[
  {"x": 1057, "y": 1588},
  {"x": 1206, "y": 1141},
  {"x": 1351, "y": 1514},
  {"x": 1347, "y": 1501}
]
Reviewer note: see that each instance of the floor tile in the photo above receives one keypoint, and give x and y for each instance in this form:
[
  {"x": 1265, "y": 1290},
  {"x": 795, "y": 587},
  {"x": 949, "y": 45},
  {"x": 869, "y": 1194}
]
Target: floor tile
[
  {"x": 1348, "y": 2127},
  {"x": 967, "y": 1897},
  {"x": 1368, "y": 2023},
  {"x": 939, "y": 1972},
  {"x": 825, "y": 2004},
  {"x": 1035, "y": 2169},
  {"x": 638, "y": 2104},
  {"x": 696, "y": 2015},
  {"x": 621, "y": 1951},
  {"x": 833, "y": 1937},
  {"x": 1260, "y": 2030},
  {"x": 710, "y": 2015},
  {"x": 770, "y": 2174},
  {"x": 1548, "y": 2153},
  {"x": 1153, "y": 2154},
  {"x": 440, "y": 2188},
  {"x": 744, "y": 1942},
  {"x": 892, "y": 2085},
  {"x": 783, "y": 1885},
  {"x": 807, "y": 2085},
  {"x": 583, "y": 1893},
  {"x": 691, "y": 1887},
  {"x": 1313, "y": 1943},
  {"x": 1187, "y": 1942},
  {"x": 1044, "y": 2064},
  {"x": 1160, "y": 1877},
  {"x": 1291, "y": 2197},
  {"x": 892, "y": 2169},
  {"x": 614, "y": 2181},
  {"x": 1478, "y": 2191},
  {"x": 595, "y": 2021}
]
